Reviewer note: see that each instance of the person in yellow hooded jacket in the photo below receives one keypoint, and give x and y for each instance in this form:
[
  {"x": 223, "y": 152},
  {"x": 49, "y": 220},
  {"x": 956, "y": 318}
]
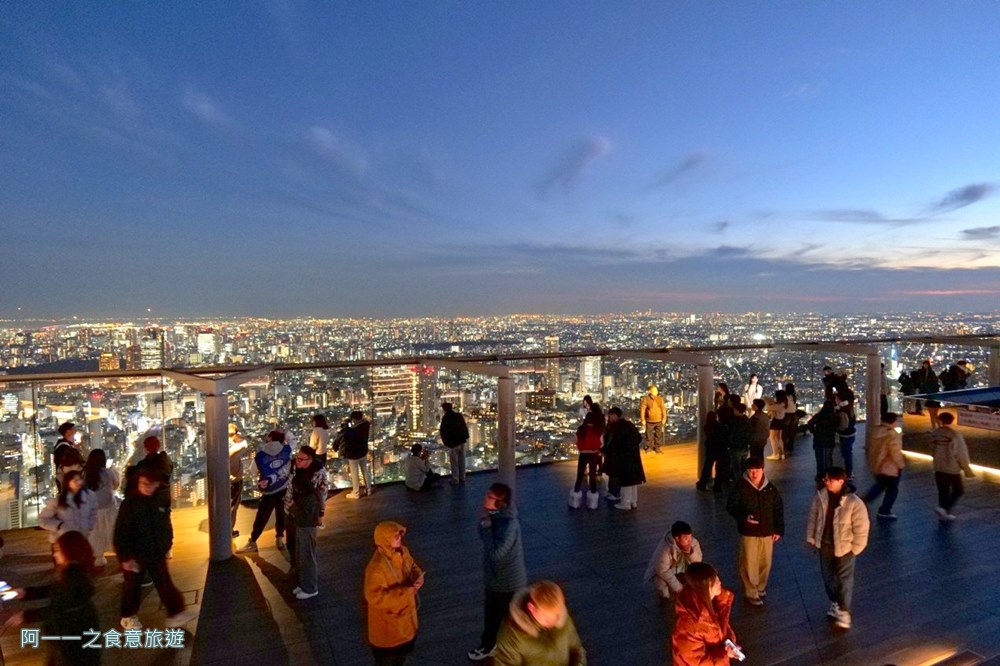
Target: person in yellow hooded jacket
[{"x": 392, "y": 582}]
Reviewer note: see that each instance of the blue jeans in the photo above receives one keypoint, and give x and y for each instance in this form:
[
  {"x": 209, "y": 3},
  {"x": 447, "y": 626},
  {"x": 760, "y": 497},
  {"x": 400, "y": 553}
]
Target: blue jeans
[
  {"x": 890, "y": 484},
  {"x": 838, "y": 576},
  {"x": 847, "y": 453}
]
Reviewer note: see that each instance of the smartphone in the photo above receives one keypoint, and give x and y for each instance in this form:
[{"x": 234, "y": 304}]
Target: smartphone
[
  {"x": 737, "y": 652},
  {"x": 6, "y": 592}
]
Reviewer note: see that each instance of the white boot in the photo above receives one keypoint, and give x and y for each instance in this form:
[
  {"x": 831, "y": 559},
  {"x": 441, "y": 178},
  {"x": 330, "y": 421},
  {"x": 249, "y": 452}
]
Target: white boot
[
  {"x": 634, "y": 497},
  {"x": 593, "y": 499},
  {"x": 575, "y": 499},
  {"x": 627, "y": 500}
]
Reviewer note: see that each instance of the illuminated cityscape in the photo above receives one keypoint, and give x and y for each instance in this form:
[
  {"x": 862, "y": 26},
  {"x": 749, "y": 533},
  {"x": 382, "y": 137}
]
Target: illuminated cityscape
[{"x": 402, "y": 400}]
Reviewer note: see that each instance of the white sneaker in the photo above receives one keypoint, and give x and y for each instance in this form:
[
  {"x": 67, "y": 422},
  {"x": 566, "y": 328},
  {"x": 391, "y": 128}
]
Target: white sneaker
[
  {"x": 356, "y": 495},
  {"x": 296, "y": 590},
  {"x": 101, "y": 562},
  {"x": 834, "y": 611},
  {"x": 181, "y": 618},
  {"x": 481, "y": 653},
  {"x": 131, "y": 623},
  {"x": 623, "y": 505},
  {"x": 251, "y": 547},
  {"x": 941, "y": 512},
  {"x": 369, "y": 490},
  {"x": 843, "y": 620},
  {"x": 305, "y": 595}
]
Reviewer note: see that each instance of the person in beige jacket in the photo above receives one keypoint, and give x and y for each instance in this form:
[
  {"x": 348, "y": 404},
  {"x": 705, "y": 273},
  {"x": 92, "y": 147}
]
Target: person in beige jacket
[
  {"x": 838, "y": 528},
  {"x": 951, "y": 458},
  {"x": 885, "y": 460},
  {"x": 652, "y": 417}
]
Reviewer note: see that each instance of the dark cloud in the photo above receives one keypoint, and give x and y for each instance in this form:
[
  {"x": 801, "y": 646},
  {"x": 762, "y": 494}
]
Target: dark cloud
[
  {"x": 962, "y": 197},
  {"x": 573, "y": 163},
  {"x": 686, "y": 165},
  {"x": 861, "y": 216},
  {"x": 720, "y": 226},
  {"x": 981, "y": 233}
]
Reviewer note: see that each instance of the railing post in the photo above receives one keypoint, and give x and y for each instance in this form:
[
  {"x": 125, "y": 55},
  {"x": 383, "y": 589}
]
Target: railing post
[
  {"x": 506, "y": 465},
  {"x": 220, "y": 525},
  {"x": 993, "y": 369},
  {"x": 873, "y": 392},
  {"x": 706, "y": 403}
]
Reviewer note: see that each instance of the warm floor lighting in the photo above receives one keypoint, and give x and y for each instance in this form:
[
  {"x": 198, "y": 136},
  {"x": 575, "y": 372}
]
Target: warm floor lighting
[{"x": 987, "y": 471}]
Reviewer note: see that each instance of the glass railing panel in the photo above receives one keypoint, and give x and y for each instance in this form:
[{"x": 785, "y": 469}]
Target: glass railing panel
[{"x": 25, "y": 472}]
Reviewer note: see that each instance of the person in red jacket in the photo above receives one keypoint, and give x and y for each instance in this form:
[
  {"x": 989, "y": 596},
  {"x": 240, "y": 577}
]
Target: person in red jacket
[
  {"x": 702, "y": 627},
  {"x": 588, "y": 443}
]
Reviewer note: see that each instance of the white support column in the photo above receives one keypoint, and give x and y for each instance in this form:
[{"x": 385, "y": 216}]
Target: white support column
[
  {"x": 220, "y": 527},
  {"x": 706, "y": 403},
  {"x": 506, "y": 464},
  {"x": 993, "y": 370},
  {"x": 873, "y": 389}
]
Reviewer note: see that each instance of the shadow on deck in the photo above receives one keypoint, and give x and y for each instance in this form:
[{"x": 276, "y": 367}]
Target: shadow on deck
[{"x": 924, "y": 591}]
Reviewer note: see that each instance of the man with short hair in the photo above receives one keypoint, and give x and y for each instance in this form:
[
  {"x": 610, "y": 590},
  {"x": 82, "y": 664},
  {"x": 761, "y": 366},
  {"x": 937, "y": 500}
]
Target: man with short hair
[
  {"x": 454, "y": 434},
  {"x": 503, "y": 565},
  {"x": 951, "y": 458},
  {"x": 417, "y": 468},
  {"x": 274, "y": 463},
  {"x": 539, "y": 630},
  {"x": 675, "y": 552},
  {"x": 760, "y": 428},
  {"x": 66, "y": 454},
  {"x": 652, "y": 417},
  {"x": 356, "y": 431},
  {"x": 756, "y": 505},
  {"x": 304, "y": 505},
  {"x": 885, "y": 460},
  {"x": 143, "y": 537},
  {"x": 237, "y": 451},
  {"x": 838, "y": 528}
]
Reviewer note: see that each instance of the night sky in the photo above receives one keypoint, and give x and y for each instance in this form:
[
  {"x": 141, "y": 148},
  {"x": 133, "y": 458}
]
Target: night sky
[{"x": 440, "y": 158}]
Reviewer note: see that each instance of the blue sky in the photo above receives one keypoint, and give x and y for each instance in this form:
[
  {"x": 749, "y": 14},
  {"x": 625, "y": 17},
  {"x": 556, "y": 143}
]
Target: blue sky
[{"x": 373, "y": 158}]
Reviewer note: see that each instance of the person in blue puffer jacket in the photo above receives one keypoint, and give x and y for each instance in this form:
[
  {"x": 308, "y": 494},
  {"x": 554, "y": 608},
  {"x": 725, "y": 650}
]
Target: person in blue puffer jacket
[{"x": 274, "y": 467}]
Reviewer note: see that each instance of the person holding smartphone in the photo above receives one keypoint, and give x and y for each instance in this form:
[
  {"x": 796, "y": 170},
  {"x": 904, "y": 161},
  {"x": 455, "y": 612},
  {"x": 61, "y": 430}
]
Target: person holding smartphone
[
  {"x": 392, "y": 582},
  {"x": 702, "y": 634}
]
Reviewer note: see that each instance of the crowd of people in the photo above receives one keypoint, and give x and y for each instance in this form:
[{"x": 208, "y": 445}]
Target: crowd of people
[{"x": 523, "y": 622}]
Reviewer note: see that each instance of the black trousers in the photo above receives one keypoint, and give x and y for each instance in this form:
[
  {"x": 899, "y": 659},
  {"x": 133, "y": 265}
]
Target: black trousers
[
  {"x": 496, "y": 608},
  {"x": 589, "y": 462},
  {"x": 171, "y": 598},
  {"x": 394, "y": 656},
  {"x": 949, "y": 489},
  {"x": 268, "y": 503}
]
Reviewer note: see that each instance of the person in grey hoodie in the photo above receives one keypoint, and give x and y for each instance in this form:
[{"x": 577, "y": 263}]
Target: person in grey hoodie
[
  {"x": 503, "y": 565},
  {"x": 951, "y": 458}
]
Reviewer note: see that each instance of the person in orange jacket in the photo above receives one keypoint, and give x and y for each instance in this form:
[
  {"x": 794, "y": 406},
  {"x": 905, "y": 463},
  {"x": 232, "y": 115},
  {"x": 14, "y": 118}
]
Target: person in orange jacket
[
  {"x": 392, "y": 582},
  {"x": 702, "y": 626}
]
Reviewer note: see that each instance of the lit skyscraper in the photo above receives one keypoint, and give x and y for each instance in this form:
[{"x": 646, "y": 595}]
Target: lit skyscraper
[
  {"x": 590, "y": 374},
  {"x": 552, "y": 364}
]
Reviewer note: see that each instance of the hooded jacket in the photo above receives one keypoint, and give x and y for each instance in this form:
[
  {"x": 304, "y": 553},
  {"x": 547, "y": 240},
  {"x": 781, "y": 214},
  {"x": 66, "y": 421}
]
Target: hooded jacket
[
  {"x": 667, "y": 562},
  {"x": 143, "y": 530},
  {"x": 850, "y": 522},
  {"x": 885, "y": 451},
  {"x": 274, "y": 466},
  {"x": 951, "y": 455},
  {"x": 392, "y": 602},
  {"x": 503, "y": 553},
  {"x": 522, "y": 642},
  {"x": 699, "y": 639},
  {"x": 763, "y": 503}
]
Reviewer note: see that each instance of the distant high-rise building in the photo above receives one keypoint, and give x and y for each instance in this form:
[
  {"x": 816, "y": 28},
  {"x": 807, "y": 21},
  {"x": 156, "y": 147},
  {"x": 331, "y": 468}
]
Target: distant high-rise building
[
  {"x": 109, "y": 361},
  {"x": 590, "y": 374},
  {"x": 208, "y": 343},
  {"x": 412, "y": 388},
  {"x": 552, "y": 364},
  {"x": 151, "y": 350}
]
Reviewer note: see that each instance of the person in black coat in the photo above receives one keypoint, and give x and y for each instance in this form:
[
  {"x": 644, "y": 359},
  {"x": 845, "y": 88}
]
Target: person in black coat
[
  {"x": 625, "y": 441},
  {"x": 143, "y": 536},
  {"x": 353, "y": 436},
  {"x": 71, "y": 610},
  {"x": 823, "y": 426}
]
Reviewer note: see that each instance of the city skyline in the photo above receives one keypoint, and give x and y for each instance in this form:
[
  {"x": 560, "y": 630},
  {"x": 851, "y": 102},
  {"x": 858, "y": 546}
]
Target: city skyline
[{"x": 285, "y": 159}]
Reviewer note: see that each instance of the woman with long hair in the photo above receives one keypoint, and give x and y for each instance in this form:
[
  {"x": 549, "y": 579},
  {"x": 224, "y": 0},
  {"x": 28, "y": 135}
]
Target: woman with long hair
[
  {"x": 103, "y": 482},
  {"x": 777, "y": 410},
  {"x": 71, "y": 610},
  {"x": 791, "y": 428},
  {"x": 319, "y": 438},
  {"x": 702, "y": 627},
  {"x": 753, "y": 390},
  {"x": 74, "y": 509},
  {"x": 588, "y": 443}
]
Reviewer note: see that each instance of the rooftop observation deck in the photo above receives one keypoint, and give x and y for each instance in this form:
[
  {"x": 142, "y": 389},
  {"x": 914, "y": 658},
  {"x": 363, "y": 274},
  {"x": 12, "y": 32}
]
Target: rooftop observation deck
[{"x": 926, "y": 592}]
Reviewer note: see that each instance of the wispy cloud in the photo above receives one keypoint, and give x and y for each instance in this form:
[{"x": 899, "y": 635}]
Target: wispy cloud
[
  {"x": 205, "y": 108},
  {"x": 962, "y": 197},
  {"x": 338, "y": 151},
  {"x": 685, "y": 166},
  {"x": 981, "y": 233},
  {"x": 720, "y": 227},
  {"x": 805, "y": 91},
  {"x": 861, "y": 216},
  {"x": 571, "y": 166}
]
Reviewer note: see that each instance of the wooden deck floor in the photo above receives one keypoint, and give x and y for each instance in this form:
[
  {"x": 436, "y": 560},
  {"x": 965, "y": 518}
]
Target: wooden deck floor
[{"x": 924, "y": 590}]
